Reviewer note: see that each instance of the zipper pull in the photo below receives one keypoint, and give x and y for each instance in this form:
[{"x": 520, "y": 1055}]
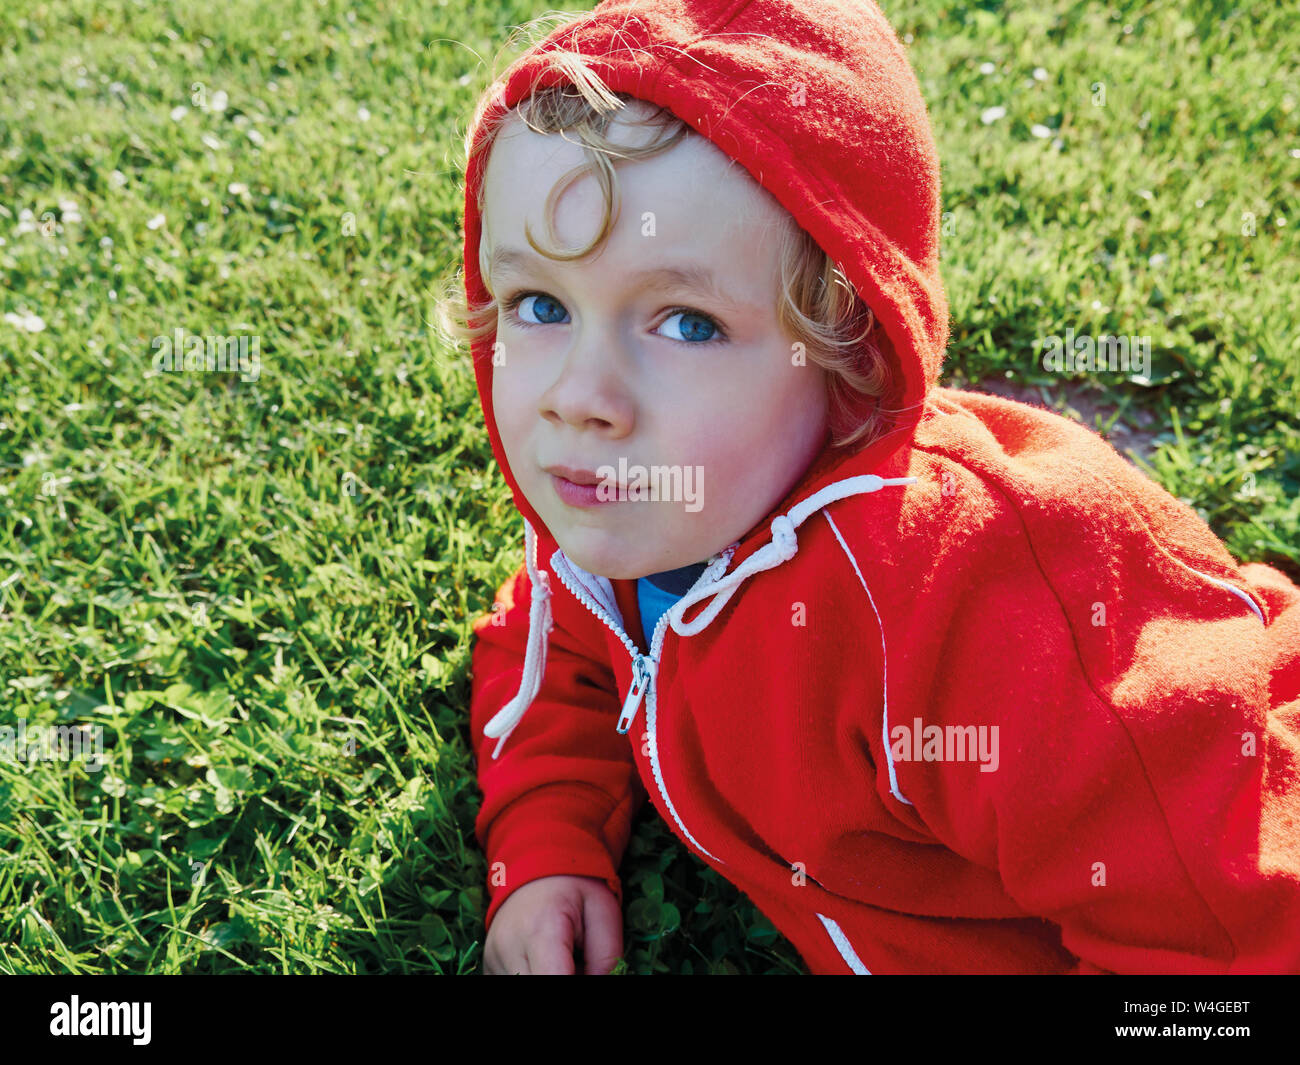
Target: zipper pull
[{"x": 641, "y": 679}]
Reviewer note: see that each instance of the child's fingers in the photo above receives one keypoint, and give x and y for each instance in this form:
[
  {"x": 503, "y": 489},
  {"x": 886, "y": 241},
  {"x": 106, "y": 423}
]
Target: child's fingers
[
  {"x": 602, "y": 932},
  {"x": 505, "y": 954},
  {"x": 502, "y": 963},
  {"x": 550, "y": 952}
]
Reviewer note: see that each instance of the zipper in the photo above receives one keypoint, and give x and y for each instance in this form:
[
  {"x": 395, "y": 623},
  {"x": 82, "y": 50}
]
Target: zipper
[
  {"x": 642, "y": 675},
  {"x": 644, "y": 667},
  {"x": 656, "y": 646},
  {"x": 644, "y": 670},
  {"x": 586, "y": 600}
]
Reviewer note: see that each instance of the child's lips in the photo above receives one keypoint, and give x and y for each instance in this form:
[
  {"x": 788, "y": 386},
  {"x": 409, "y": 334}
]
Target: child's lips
[
  {"x": 576, "y": 474},
  {"x": 583, "y": 495}
]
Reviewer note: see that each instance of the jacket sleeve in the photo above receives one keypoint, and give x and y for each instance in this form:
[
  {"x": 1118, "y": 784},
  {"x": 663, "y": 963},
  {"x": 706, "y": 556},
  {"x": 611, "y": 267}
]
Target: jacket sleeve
[
  {"x": 560, "y": 795},
  {"x": 1145, "y": 794}
]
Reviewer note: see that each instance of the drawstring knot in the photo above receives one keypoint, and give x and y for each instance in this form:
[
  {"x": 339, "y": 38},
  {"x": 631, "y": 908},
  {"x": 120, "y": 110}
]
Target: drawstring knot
[
  {"x": 783, "y": 546},
  {"x": 714, "y": 584},
  {"x": 783, "y": 538}
]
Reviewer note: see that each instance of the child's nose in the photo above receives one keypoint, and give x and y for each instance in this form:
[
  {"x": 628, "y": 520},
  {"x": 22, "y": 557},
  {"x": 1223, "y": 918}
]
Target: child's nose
[{"x": 591, "y": 389}]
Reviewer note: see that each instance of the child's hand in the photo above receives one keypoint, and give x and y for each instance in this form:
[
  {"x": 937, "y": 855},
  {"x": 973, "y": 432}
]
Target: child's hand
[{"x": 540, "y": 925}]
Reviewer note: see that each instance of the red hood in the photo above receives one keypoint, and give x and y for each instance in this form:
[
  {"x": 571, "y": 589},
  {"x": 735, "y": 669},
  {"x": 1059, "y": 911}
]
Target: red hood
[{"x": 829, "y": 121}]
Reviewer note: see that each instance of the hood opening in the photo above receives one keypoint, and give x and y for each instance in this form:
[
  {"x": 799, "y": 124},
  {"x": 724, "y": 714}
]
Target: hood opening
[{"x": 816, "y": 101}]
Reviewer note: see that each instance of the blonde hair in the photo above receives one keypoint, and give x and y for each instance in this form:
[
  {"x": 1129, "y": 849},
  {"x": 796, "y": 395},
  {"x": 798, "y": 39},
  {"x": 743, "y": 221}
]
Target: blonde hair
[{"x": 818, "y": 307}]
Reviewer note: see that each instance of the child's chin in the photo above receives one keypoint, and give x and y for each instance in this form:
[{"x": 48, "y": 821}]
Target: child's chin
[{"x": 611, "y": 563}]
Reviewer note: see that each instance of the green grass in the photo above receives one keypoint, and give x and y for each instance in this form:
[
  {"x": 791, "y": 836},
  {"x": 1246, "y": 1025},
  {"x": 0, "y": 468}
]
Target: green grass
[{"x": 263, "y": 590}]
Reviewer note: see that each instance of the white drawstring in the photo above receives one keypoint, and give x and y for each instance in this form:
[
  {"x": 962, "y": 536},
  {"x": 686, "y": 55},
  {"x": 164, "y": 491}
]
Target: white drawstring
[
  {"x": 781, "y": 548},
  {"x": 540, "y": 624}
]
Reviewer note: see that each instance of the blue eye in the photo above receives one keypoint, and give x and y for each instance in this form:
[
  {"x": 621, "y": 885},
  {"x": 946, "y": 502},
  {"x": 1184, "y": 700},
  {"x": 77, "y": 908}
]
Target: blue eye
[
  {"x": 694, "y": 328},
  {"x": 548, "y": 310}
]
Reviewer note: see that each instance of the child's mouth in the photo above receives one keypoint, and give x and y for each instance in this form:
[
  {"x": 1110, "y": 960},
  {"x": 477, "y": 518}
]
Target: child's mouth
[{"x": 584, "y": 495}]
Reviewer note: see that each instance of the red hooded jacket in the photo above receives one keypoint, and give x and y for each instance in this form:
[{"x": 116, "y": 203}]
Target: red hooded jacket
[{"x": 978, "y": 697}]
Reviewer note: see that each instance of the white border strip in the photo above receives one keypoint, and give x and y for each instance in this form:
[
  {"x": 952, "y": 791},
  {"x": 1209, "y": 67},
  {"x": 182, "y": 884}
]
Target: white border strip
[
  {"x": 1231, "y": 588},
  {"x": 843, "y": 945},
  {"x": 884, "y": 658}
]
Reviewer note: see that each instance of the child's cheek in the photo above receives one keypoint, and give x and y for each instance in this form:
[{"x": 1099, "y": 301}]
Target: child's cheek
[{"x": 515, "y": 404}]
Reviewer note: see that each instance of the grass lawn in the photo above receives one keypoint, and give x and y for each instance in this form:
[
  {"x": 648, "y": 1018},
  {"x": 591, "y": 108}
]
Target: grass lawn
[{"x": 260, "y": 585}]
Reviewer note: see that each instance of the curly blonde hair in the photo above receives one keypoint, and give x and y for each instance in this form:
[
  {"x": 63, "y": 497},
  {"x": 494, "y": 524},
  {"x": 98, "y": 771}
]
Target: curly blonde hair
[{"x": 818, "y": 307}]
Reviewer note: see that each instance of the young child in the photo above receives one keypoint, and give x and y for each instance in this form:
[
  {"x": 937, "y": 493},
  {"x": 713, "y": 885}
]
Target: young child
[{"x": 937, "y": 679}]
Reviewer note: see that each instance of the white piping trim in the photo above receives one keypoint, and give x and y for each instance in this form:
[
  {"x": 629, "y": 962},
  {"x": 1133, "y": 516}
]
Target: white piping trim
[
  {"x": 781, "y": 548},
  {"x": 1169, "y": 554},
  {"x": 843, "y": 945},
  {"x": 884, "y": 659},
  {"x": 1229, "y": 587}
]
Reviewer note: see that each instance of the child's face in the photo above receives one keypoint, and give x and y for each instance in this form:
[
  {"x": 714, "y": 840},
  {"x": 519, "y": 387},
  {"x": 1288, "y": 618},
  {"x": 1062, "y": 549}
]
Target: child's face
[{"x": 598, "y": 364}]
